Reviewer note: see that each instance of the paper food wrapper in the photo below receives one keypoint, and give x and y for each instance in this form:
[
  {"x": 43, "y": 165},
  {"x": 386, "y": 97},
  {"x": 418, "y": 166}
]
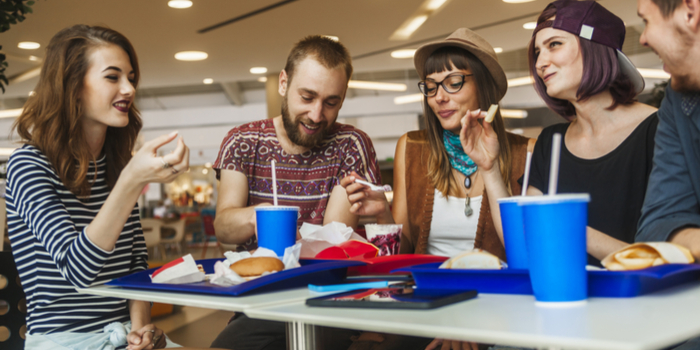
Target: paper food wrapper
[
  {"x": 224, "y": 276},
  {"x": 316, "y": 238},
  {"x": 178, "y": 271},
  {"x": 349, "y": 249},
  {"x": 477, "y": 259},
  {"x": 642, "y": 255}
]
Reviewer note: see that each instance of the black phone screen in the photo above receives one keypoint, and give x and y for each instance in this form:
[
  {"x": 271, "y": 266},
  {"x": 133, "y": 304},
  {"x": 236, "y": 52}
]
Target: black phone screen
[{"x": 392, "y": 298}]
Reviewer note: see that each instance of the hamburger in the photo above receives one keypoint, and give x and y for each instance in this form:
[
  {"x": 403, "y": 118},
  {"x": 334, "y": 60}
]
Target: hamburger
[{"x": 256, "y": 266}]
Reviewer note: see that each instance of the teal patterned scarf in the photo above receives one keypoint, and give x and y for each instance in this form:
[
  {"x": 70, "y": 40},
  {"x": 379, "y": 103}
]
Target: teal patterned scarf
[{"x": 458, "y": 159}]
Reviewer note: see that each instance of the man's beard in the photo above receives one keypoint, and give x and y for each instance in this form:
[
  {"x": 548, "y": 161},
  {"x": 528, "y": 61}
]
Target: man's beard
[{"x": 297, "y": 137}]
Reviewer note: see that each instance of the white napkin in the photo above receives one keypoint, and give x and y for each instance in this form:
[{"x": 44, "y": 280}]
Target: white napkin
[
  {"x": 315, "y": 238},
  {"x": 179, "y": 271}
]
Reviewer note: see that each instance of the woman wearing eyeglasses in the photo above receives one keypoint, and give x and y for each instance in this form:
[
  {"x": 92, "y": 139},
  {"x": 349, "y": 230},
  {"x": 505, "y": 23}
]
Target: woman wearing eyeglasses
[
  {"x": 438, "y": 190},
  {"x": 439, "y": 193}
]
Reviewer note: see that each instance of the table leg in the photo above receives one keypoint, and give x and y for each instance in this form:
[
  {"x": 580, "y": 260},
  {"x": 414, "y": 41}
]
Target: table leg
[{"x": 300, "y": 336}]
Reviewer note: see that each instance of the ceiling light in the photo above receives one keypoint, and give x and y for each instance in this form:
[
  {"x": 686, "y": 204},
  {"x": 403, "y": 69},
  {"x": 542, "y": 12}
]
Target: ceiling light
[
  {"x": 28, "y": 45},
  {"x": 205, "y": 171},
  {"x": 400, "y": 100},
  {"x": 32, "y": 93},
  {"x": 517, "y": 131},
  {"x": 410, "y": 26},
  {"x": 191, "y": 55},
  {"x": 530, "y": 25},
  {"x": 258, "y": 70},
  {"x": 498, "y": 49},
  {"x": 11, "y": 113},
  {"x": 262, "y": 79},
  {"x": 34, "y": 58},
  {"x": 517, "y": 1},
  {"x": 654, "y": 73},
  {"x": 332, "y": 37},
  {"x": 371, "y": 85},
  {"x": 407, "y": 53},
  {"x": 208, "y": 81},
  {"x": 207, "y": 165},
  {"x": 435, "y": 4},
  {"x": 520, "y": 81},
  {"x": 180, "y": 4},
  {"x": 514, "y": 113}
]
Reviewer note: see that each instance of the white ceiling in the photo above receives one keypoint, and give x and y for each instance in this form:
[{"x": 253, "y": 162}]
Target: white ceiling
[{"x": 363, "y": 26}]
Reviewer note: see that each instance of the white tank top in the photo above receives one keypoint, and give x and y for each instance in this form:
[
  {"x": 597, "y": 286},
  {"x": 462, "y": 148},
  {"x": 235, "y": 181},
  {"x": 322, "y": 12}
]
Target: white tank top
[{"x": 451, "y": 232}]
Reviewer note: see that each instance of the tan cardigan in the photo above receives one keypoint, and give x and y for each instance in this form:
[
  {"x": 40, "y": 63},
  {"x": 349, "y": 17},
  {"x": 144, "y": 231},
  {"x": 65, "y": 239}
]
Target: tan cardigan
[{"x": 421, "y": 194}]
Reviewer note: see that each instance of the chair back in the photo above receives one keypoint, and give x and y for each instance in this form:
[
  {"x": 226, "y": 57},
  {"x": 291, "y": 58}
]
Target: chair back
[
  {"x": 208, "y": 215},
  {"x": 151, "y": 231},
  {"x": 13, "y": 305},
  {"x": 179, "y": 228}
]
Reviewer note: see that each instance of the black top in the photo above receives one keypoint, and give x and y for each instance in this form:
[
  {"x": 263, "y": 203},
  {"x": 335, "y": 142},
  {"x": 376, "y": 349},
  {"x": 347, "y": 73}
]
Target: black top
[{"x": 616, "y": 181}]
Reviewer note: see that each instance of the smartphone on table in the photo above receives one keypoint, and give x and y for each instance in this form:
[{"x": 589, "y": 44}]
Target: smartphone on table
[{"x": 392, "y": 298}]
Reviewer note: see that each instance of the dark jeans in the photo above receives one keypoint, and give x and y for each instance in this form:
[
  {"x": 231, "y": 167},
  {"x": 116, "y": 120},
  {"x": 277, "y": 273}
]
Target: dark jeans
[{"x": 244, "y": 333}]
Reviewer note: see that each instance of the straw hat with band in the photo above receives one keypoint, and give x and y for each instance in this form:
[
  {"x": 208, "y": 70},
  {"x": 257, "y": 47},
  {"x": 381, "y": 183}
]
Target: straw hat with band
[
  {"x": 472, "y": 42},
  {"x": 590, "y": 20}
]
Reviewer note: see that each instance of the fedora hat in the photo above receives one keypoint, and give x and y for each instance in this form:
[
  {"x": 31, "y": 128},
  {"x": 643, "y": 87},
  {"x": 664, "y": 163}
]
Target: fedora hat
[{"x": 466, "y": 39}]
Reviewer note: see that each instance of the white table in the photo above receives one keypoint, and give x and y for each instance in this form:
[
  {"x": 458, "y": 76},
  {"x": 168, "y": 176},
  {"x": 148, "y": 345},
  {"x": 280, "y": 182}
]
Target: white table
[
  {"x": 653, "y": 321},
  {"x": 227, "y": 303}
]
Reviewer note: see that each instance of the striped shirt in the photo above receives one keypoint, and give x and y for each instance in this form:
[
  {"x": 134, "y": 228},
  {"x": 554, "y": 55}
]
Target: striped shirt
[
  {"x": 54, "y": 256},
  {"x": 305, "y": 180}
]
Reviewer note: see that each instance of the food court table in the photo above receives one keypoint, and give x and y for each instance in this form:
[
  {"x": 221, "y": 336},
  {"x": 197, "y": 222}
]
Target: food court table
[{"x": 653, "y": 321}]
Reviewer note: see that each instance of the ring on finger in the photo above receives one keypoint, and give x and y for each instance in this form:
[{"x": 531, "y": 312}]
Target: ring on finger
[{"x": 165, "y": 164}]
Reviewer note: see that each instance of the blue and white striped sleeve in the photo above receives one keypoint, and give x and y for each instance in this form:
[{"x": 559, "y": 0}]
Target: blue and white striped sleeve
[{"x": 36, "y": 202}]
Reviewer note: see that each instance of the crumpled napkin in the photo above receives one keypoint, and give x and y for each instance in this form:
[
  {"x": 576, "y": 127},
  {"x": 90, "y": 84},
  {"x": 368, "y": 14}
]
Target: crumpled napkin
[
  {"x": 315, "y": 238},
  {"x": 642, "y": 255},
  {"x": 224, "y": 276},
  {"x": 178, "y": 271}
]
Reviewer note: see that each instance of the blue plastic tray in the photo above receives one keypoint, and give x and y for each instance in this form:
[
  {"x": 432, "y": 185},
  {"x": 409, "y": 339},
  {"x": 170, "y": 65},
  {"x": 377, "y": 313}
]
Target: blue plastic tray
[
  {"x": 603, "y": 283},
  {"x": 311, "y": 272}
]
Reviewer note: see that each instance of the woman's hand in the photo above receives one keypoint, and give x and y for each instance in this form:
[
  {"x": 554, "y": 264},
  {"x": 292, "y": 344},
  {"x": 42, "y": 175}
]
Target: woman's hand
[
  {"x": 362, "y": 200},
  {"x": 146, "y": 167},
  {"x": 479, "y": 140},
  {"x": 451, "y": 344},
  {"x": 147, "y": 337}
]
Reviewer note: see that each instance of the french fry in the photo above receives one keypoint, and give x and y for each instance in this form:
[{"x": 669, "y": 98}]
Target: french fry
[{"x": 491, "y": 113}]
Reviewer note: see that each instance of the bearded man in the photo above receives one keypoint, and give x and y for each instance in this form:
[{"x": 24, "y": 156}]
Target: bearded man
[{"x": 312, "y": 152}]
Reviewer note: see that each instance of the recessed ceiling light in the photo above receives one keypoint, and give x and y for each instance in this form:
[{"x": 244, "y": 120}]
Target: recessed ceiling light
[
  {"x": 191, "y": 55},
  {"x": 498, "y": 49},
  {"x": 407, "y": 53},
  {"x": 28, "y": 45},
  {"x": 208, "y": 81},
  {"x": 410, "y": 26},
  {"x": 180, "y": 4},
  {"x": 435, "y": 4},
  {"x": 530, "y": 25},
  {"x": 517, "y": 1},
  {"x": 520, "y": 81},
  {"x": 32, "y": 93},
  {"x": 34, "y": 58},
  {"x": 262, "y": 79},
  {"x": 400, "y": 100},
  {"x": 332, "y": 37},
  {"x": 258, "y": 70}
]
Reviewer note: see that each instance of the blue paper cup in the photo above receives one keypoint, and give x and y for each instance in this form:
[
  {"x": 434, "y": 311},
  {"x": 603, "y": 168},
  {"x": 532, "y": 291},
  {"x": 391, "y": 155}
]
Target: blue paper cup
[
  {"x": 513, "y": 232},
  {"x": 555, "y": 235},
  {"x": 276, "y": 227}
]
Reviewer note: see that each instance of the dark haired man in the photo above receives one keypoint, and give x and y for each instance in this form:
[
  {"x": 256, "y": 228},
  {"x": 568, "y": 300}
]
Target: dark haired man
[
  {"x": 312, "y": 153},
  {"x": 671, "y": 209}
]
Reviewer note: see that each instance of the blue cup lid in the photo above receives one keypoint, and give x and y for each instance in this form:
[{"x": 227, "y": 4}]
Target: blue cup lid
[
  {"x": 276, "y": 208},
  {"x": 557, "y": 198}
]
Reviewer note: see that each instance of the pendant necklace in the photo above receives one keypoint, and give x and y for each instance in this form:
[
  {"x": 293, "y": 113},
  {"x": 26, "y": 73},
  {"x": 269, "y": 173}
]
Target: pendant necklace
[{"x": 468, "y": 211}]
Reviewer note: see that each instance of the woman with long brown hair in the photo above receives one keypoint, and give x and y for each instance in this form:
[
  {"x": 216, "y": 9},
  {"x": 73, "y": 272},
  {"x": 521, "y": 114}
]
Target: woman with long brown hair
[
  {"x": 72, "y": 190},
  {"x": 439, "y": 195}
]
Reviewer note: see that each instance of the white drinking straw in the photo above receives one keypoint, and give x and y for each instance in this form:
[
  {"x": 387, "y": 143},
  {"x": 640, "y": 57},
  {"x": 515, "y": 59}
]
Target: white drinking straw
[
  {"x": 274, "y": 183},
  {"x": 554, "y": 164},
  {"x": 527, "y": 173}
]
